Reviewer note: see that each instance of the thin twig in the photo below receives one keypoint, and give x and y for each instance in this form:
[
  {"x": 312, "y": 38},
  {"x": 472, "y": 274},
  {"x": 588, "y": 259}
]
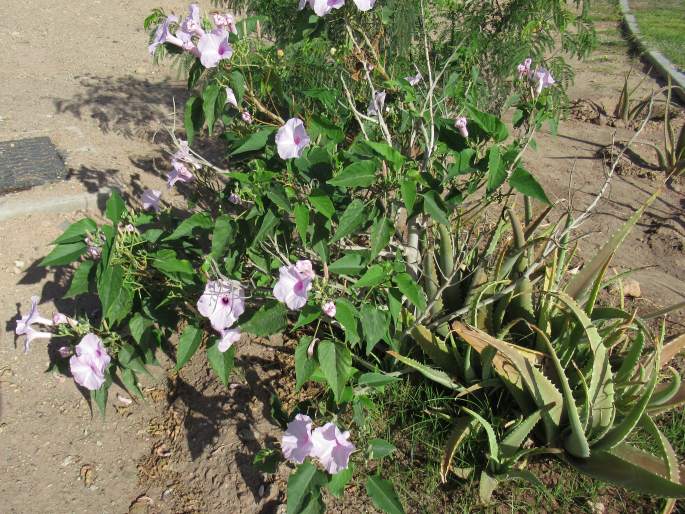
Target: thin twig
[
  {"x": 358, "y": 116},
  {"x": 379, "y": 111}
]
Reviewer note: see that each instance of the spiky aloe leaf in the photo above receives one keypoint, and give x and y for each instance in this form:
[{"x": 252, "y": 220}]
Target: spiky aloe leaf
[
  {"x": 594, "y": 292},
  {"x": 667, "y": 452},
  {"x": 668, "y": 390},
  {"x": 672, "y": 348},
  {"x": 538, "y": 386},
  {"x": 680, "y": 145},
  {"x": 580, "y": 282},
  {"x": 621, "y": 110},
  {"x": 637, "y": 110},
  {"x": 601, "y": 388},
  {"x": 664, "y": 163},
  {"x": 526, "y": 476},
  {"x": 517, "y": 229},
  {"x": 433, "y": 374},
  {"x": 507, "y": 373},
  {"x": 435, "y": 348},
  {"x": 576, "y": 442},
  {"x": 662, "y": 312},
  {"x": 606, "y": 313},
  {"x": 535, "y": 224},
  {"x": 620, "y": 431},
  {"x": 668, "y": 455},
  {"x": 631, "y": 468},
  {"x": 446, "y": 259},
  {"x": 482, "y": 316},
  {"x": 468, "y": 371},
  {"x": 446, "y": 255},
  {"x": 545, "y": 304},
  {"x": 564, "y": 259},
  {"x": 502, "y": 227},
  {"x": 515, "y": 438},
  {"x": 431, "y": 283},
  {"x": 462, "y": 428},
  {"x": 486, "y": 486},
  {"x": 669, "y": 143},
  {"x": 480, "y": 343},
  {"x": 631, "y": 359},
  {"x": 493, "y": 446},
  {"x": 479, "y": 278},
  {"x": 676, "y": 400},
  {"x": 624, "y": 274}
]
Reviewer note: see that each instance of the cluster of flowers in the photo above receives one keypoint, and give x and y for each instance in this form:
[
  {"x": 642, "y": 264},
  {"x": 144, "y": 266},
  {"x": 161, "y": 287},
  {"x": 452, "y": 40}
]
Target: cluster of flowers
[
  {"x": 326, "y": 444},
  {"x": 183, "y": 162},
  {"x": 210, "y": 47},
  {"x": 223, "y": 301},
  {"x": 540, "y": 77},
  {"x": 323, "y": 7},
  {"x": 90, "y": 361}
]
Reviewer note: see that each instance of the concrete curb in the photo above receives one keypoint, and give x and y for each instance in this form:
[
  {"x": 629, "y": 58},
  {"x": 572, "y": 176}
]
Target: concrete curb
[
  {"x": 17, "y": 206},
  {"x": 656, "y": 58}
]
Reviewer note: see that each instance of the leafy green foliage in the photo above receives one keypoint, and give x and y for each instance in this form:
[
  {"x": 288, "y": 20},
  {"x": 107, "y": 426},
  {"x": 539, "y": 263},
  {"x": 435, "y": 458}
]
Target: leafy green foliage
[
  {"x": 412, "y": 231},
  {"x": 304, "y": 490},
  {"x": 383, "y": 495},
  {"x": 188, "y": 344}
]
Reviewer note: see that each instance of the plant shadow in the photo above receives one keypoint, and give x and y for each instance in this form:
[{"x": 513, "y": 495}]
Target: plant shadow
[
  {"x": 240, "y": 413},
  {"x": 129, "y": 106}
]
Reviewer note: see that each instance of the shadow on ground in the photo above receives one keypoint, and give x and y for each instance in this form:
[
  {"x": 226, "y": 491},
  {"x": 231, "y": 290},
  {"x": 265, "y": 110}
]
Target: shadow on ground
[
  {"x": 212, "y": 433},
  {"x": 128, "y": 106}
]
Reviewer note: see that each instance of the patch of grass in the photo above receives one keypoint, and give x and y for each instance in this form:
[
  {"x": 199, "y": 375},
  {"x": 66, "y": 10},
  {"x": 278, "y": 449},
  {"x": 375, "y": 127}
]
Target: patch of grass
[
  {"x": 401, "y": 416},
  {"x": 604, "y": 10},
  {"x": 672, "y": 425},
  {"x": 663, "y": 25},
  {"x": 607, "y": 18},
  {"x": 417, "y": 419}
]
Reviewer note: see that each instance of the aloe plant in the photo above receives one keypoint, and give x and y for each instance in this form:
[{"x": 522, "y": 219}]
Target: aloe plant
[
  {"x": 505, "y": 456},
  {"x": 627, "y": 109},
  {"x": 584, "y": 376},
  {"x": 671, "y": 153}
]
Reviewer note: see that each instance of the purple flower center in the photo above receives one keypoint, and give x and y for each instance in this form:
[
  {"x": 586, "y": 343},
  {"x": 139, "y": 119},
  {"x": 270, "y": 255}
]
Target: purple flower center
[
  {"x": 225, "y": 300},
  {"x": 299, "y": 287},
  {"x": 297, "y": 140}
]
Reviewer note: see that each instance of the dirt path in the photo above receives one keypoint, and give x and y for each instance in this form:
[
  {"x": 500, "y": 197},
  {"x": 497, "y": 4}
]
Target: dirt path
[
  {"x": 570, "y": 166},
  {"x": 78, "y": 72},
  {"x": 93, "y": 90}
]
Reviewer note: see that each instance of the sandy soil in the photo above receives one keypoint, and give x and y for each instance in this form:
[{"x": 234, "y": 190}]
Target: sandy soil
[{"x": 188, "y": 448}]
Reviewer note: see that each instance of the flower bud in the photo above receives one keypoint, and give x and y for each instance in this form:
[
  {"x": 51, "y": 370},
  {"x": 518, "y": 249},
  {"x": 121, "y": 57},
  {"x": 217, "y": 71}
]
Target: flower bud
[
  {"x": 59, "y": 319},
  {"x": 94, "y": 252},
  {"x": 460, "y": 124},
  {"x": 329, "y": 309}
]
